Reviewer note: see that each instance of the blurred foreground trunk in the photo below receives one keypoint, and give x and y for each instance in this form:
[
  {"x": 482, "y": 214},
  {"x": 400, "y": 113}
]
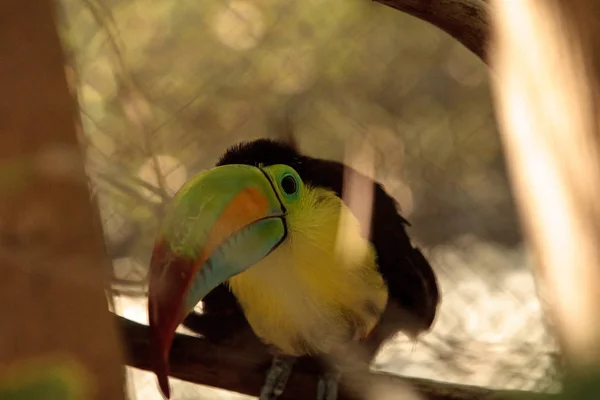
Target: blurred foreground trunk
[
  {"x": 547, "y": 58},
  {"x": 58, "y": 340}
]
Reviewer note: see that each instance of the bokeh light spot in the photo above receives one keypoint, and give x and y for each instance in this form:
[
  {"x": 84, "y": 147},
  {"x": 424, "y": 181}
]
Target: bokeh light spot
[{"x": 240, "y": 25}]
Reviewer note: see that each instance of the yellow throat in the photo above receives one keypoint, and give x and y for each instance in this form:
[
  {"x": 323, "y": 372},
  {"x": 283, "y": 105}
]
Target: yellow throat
[{"x": 320, "y": 289}]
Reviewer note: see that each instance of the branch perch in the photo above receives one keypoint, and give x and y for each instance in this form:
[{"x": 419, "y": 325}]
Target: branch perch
[
  {"x": 465, "y": 20},
  {"x": 196, "y": 360}
]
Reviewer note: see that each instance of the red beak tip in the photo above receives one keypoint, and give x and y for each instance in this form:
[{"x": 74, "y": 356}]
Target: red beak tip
[
  {"x": 164, "y": 387},
  {"x": 163, "y": 384}
]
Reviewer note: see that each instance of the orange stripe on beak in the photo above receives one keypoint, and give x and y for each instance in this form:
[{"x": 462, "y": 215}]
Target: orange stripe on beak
[
  {"x": 171, "y": 274},
  {"x": 248, "y": 206}
]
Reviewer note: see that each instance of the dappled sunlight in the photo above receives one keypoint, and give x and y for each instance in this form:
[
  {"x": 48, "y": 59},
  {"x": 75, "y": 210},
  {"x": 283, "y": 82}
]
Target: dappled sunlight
[
  {"x": 136, "y": 309},
  {"x": 137, "y": 109},
  {"x": 100, "y": 75},
  {"x": 496, "y": 318},
  {"x": 94, "y": 98},
  {"x": 133, "y": 309},
  {"x": 390, "y": 160},
  {"x": 239, "y": 24},
  {"x": 481, "y": 304},
  {"x": 358, "y": 193},
  {"x": 162, "y": 170}
]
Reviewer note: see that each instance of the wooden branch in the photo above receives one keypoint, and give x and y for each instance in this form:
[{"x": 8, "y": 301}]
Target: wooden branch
[
  {"x": 547, "y": 59},
  {"x": 196, "y": 360},
  {"x": 56, "y": 330},
  {"x": 465, "y": 20}
]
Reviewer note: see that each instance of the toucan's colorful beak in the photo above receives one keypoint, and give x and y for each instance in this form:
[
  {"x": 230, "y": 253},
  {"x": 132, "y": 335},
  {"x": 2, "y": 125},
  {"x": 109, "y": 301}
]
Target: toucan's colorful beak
[{"x": 219, "y": 224}]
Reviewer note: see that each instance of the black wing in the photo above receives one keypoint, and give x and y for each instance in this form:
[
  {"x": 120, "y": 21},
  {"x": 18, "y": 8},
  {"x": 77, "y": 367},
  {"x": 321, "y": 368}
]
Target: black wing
[{"x": 411, "y": 281}]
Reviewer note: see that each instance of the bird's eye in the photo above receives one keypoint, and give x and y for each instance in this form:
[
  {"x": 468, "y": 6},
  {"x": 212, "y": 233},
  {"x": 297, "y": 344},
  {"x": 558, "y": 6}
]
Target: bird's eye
[{"x": 289, "y": 185}]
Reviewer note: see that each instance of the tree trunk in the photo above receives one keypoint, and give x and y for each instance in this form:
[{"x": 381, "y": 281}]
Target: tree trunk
[
  {"x": 547, "y": 60},
  {"x": 56, "y": 327}
]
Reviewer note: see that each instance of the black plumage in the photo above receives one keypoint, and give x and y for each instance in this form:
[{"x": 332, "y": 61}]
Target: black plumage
[{"x": 413, "y": 290}]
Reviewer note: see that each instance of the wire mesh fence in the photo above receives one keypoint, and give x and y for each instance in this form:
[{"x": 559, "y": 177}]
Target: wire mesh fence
[{"x": 166, "y": 86}]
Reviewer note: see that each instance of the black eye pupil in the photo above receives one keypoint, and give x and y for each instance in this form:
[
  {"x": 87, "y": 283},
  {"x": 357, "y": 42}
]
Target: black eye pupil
[{"x": 289, "y": 185}]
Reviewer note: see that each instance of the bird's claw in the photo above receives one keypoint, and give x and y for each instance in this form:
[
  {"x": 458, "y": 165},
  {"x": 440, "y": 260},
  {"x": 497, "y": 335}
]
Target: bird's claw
[
  {"x": 277, "y": 377},
  {"x": 279, "y": 373},
  {"x": 327, "y": 387}
]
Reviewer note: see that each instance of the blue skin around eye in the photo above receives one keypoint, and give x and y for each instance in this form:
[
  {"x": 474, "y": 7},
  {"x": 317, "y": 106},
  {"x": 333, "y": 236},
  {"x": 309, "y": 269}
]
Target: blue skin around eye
[{"x": 277, "y": 173}]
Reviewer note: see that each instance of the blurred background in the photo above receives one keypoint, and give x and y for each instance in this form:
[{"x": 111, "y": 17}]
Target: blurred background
[{"x": 165, "y": 86}]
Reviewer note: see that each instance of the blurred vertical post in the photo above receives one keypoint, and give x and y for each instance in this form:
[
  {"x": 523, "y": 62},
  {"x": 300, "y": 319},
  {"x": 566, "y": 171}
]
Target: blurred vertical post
[
  {"x": 546, "y": 56},
  {"x": 56, "y": 327}
]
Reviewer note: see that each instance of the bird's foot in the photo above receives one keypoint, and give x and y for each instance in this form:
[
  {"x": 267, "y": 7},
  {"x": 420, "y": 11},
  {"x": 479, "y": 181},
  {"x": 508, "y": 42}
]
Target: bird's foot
[
  {"x": 277, "y": 377},
  {"x": 327, "y": 388}
]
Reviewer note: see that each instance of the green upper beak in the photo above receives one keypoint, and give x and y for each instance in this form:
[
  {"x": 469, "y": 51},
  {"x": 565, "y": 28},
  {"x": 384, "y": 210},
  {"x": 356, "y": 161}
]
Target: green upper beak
[{"x": 219, "y": 224}]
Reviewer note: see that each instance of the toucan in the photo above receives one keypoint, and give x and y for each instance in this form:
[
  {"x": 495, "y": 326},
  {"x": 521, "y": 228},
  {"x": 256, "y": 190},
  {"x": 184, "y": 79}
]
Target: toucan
[{"x": 267, "y": 237}]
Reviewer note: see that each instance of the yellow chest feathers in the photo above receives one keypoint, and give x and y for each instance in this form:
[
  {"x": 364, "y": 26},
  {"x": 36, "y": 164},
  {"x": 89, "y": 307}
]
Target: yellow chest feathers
[{"x": 320, "y": 288}]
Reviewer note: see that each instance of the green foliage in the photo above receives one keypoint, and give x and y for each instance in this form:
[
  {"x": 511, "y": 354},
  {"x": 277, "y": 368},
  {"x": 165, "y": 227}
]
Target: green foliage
[{"x": 59, "y": 380}]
